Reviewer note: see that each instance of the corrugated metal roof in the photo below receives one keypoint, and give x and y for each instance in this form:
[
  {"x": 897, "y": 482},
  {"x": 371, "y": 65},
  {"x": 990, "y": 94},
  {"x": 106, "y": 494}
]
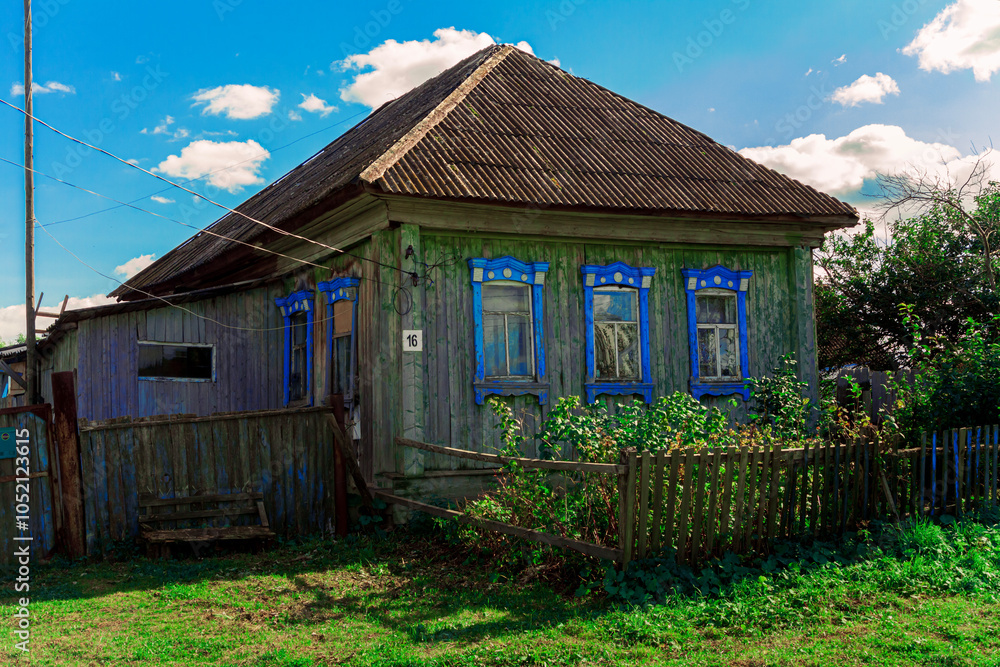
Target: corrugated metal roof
[{"x": 506, "y": 127}]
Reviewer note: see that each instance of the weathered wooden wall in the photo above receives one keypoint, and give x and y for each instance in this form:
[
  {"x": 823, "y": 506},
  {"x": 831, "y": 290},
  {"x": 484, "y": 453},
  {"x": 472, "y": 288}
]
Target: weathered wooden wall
[
  {"x": 285, "y": 454},
  {"x": 41, "y": 514},
  {"x": 451, "y": 415}
]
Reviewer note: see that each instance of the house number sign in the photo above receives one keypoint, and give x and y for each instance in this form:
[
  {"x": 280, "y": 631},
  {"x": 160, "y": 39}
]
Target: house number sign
[{"x": 413, "y": 340}]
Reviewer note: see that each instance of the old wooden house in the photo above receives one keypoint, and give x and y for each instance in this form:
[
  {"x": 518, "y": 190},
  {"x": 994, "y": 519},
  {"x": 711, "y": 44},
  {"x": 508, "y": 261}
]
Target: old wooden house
[{"x": 505, "y": 229}]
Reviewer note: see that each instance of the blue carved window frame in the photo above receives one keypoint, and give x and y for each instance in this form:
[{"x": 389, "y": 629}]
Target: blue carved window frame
[
  {"x": 718, "y": 278},
  {"x": 342, "y": 289},
  {"x": 508, "y": 269},
  {"x": 621, "y": 275},
  {"x": 300, "y": 301}
]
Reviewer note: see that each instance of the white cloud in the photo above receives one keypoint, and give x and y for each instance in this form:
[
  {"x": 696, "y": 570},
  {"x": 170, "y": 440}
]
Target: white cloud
[
  {"x": 17, "y": 88},
  {"x": 964, "y": 35},
  {"x": 397, "y": 67},
  {"x": 161, "y": 200},
  {"x": 866, "y": 89},
  {"x": 238, "y": 101},
  {"x": 209, "y": 158},
  {"x": 161, "y": 128},
  {"x": 840, "y": 166},
  {"x": 839, "y": 61},
  {"x": 136, "y": 264},
  {"x": 809, "y": 72},
  {"x": 294, "y": 115},
  {"x": 115, "y": 76},
  {"x": 12, "y": 318},
  {"x": 314, "y": 104}
]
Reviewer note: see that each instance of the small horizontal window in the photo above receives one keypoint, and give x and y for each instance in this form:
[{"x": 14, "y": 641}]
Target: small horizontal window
[{"x": 176, "y": 361}]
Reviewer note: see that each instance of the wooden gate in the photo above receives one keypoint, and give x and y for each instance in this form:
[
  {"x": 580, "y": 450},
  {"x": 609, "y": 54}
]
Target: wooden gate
[{"x": 41, "y": 526}]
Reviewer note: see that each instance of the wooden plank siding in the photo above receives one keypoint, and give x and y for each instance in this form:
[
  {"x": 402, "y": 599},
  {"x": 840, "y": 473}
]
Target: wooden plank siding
[
  {"x": 246, "y": 328},
  {"x": 452, "y": 417},
  {"x": 282, "y": 454}
]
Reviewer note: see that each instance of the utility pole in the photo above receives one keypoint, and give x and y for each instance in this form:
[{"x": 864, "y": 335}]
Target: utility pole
[{"x": 31, "y": 391}]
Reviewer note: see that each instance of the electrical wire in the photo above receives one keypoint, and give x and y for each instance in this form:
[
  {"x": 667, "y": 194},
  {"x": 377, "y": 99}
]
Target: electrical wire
[
  {"x": 276, "y": 230},
  {"x": 211, "y": 173}
]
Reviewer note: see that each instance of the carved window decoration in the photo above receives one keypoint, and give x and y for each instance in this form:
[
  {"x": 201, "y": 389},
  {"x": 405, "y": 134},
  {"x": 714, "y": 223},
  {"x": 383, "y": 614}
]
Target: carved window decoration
[
  {"x": 297, "y": 310},
  {"x": 507, "y": 304},
  {"x": 341, "y": 311},
  {"x": 616, "y": 305},
  {"x": 717, "y": 330}
]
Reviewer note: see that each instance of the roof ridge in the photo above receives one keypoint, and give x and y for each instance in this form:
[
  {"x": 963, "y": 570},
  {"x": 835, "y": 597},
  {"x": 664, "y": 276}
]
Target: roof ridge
[{"x": 394, "y": 153}]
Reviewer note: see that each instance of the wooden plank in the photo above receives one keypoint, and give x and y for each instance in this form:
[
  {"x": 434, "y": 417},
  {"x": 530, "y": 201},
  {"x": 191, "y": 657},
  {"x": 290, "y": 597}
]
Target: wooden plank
[
  {"x": 347, "y": 450},
  {"x": 996, "y": 461},
  {"x": 683, "y": 525},
  {"x": 764, "y": 474},
  {"x": 630, "y": 501},
  {"x": 772, "y": 509},
  {"x": 804, "y": 494},
  {"x": 725, "y": 533},
  {"x": 587, "y": 548},
  {"x": 921, "y": 509},
  {"x": 713, "y": 502},
  {"x": 658, "y": 477},
  {"x": 675, "y": 461},
  {"x": 643, "y": 503},
  {"x": 146, "y": 502},
  {"x": 815, "y": 501},
  {"x": 697, "y": 538},
  {"x": 961, "y": 472},
  {"x": 197, "y": 514},
  {"x": 740, "y": 502},
  {"x": 574, "y": 466},
  {"x": 837, "y": 491}
]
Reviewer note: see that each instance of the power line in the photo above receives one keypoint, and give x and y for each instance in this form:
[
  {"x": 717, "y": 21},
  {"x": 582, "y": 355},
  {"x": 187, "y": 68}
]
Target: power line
[
  {"x": 159, "y": 215},
  {"x": 211, "y": 173},
  {"x": 277, "y": 230}
]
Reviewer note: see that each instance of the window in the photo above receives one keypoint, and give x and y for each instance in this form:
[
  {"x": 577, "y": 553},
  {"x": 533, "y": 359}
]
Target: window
[
  {"x": 616, "y": 304},
  {"x": 509, "y": 336},
  {"x": 297, "y": 310},
  {"x": 717, "y": 330},
  {"x": 186, "y": 362},
  {"x": 341, "y": 299}
]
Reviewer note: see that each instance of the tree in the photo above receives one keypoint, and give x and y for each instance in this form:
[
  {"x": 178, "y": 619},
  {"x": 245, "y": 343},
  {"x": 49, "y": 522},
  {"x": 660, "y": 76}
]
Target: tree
[{"x": 942, "y": 261}]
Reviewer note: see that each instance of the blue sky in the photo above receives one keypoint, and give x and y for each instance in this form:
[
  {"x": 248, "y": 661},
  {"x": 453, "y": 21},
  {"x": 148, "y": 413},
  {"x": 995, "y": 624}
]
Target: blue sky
[{"x": 191, "y": 87}]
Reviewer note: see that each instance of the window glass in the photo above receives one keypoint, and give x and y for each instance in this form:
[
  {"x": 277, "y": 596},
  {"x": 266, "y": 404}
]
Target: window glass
[
  {"x": 716, "y": 309},
  {"x": 718, "y": 348},
  {"x": 297, "y": 376},
  {"x": 507, "y": 336},
  {"x": 340, "y": 355},
  {"x": 187, "y": 362},
  {"x": 616, "y": 334}
]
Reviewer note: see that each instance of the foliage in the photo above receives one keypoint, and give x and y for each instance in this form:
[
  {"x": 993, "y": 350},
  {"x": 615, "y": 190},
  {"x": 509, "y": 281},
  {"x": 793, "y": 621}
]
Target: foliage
[
  {"x": 781, "y": 409},
  {"x": 934, "y": 261},
  {"x": 955, "y": 381},
  {"x": 921, "y": 558}
]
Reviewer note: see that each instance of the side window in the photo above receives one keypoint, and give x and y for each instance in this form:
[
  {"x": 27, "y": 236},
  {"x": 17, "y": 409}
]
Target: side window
[
  {"x": 297, "y": 311},
  {"x": 616, "y": 305},
  {"x": 507, "y": 303},
  {"x": 717, "y": 330},
  {"x": 341, "y": 299}
]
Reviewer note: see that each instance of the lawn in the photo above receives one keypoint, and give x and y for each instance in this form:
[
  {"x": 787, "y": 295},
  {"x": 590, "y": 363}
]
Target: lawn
[{"x": 419, "y": 600}]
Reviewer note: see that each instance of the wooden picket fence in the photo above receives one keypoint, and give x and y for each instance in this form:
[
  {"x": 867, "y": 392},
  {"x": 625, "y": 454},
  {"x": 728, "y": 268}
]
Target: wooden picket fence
[{"x": 705, "y": 502}]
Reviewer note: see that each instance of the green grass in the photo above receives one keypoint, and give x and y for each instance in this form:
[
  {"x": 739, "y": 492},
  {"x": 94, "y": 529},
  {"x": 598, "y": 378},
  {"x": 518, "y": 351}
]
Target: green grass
[{"x": 931, "y": 597}]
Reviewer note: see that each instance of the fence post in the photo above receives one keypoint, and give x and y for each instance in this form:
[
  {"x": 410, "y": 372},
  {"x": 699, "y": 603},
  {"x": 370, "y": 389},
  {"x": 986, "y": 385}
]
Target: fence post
[
  {"x": 68, "y": 455},
  {"x": 626, "y": 504},
  {"x": 339, "y": 470}
]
